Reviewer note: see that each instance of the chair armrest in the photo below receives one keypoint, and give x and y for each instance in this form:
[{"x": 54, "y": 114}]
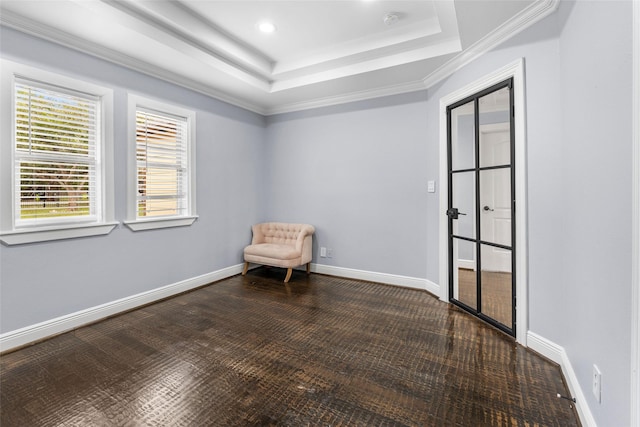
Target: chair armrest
[
  {"x": 306, "y": 230},
  {"x": 258, "y": 235}
]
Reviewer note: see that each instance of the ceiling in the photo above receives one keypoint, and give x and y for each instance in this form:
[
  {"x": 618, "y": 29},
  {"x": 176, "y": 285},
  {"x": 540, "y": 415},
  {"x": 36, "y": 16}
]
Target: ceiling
[{"x": 323, "y": 52}]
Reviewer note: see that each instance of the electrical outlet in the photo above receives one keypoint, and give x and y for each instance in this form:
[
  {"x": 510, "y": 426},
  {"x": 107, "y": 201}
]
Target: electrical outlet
[
  {"x": 596, "y": 383},
  {"x": 323, "y": 252},
  {"x": 330, "y": 253}
]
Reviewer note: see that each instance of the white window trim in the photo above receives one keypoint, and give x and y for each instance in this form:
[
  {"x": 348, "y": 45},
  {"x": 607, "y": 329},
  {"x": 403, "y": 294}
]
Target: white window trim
[
  {"x": 140, "y": 224},
  {"x": 9, "y": 235}
]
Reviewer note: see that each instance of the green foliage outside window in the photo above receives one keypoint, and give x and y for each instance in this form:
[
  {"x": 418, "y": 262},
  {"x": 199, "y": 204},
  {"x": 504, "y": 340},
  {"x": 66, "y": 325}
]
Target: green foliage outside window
[{"x": 55, "y": 150}]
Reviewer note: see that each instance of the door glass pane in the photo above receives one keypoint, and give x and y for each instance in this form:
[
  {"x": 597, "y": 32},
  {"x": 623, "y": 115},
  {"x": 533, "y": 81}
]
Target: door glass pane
[
  {"x": 464, "y": 272},
  {"x": 496, "y": 284},
  {"x": 464, "y": 199},
  {"x": 481, "y": 191},
  {"x": 495, "y": 132},
  {"x": 495, "y": 206},
  {"x": 463, "y": 151}
]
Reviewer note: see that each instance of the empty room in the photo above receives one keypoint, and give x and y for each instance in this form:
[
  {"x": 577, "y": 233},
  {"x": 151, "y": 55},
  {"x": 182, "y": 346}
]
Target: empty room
[{"x": 320, "y": 213}]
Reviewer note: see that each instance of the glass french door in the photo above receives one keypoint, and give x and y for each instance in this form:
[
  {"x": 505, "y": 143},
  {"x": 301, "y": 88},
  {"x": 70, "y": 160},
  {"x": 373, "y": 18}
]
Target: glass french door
[{"x": 481, "y": 205}]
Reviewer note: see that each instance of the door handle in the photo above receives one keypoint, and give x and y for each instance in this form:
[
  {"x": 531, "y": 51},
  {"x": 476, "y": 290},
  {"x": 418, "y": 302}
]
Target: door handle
[
  {"x": 487, "y": 208},
  {"x": 453, "y": 213}
]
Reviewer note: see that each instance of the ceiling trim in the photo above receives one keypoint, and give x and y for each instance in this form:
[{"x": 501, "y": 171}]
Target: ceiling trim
[
  {"x": 178, "y": 19},
  {"x": 370, "y": 61},
  {"x": 150, "y": 24},
  {"x": 515, "y": 25},
  {"x": 521, "y": 21},
  {"x": 350, "y": 97},
  {"x": 25, "y": 25}
]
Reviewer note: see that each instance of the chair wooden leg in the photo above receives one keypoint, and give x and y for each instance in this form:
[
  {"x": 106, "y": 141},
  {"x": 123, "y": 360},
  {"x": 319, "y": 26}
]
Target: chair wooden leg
[
  {"x": 308, "y": 268},
  {"x": 246, "y": 267},
  {"x": 289, "y": 271}
]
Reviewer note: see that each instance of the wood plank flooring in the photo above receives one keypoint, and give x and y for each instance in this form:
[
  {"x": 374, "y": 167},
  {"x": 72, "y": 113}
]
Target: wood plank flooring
[
  {"x": 497, "y": 297},
  {"x": 250, "y": 351}
]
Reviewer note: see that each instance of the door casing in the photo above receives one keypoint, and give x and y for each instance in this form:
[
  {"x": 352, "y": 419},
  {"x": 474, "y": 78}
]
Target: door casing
[{"x": 514, "y": 70}]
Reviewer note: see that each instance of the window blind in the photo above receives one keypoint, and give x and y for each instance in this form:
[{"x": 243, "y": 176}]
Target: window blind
[
  {"x": 161, "y": 156},
  {"x": 56, "y": 154}
]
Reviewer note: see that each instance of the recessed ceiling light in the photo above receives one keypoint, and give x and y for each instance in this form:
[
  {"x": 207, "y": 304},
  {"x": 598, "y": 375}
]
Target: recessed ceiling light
[{"x": 266, "y": 27}]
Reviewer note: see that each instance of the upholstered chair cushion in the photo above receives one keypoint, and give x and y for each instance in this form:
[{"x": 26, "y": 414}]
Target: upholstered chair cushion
[{"x": 280, "y": 244}]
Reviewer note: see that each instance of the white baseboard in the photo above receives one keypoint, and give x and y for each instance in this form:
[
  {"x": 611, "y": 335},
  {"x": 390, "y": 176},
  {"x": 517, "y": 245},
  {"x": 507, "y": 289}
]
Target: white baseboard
[
  {"x": 548, "y": 349},
  {"x": 39, "y": 331},
  {"x": 558, "y": 354},
  {"x": 389, "y": 279}
]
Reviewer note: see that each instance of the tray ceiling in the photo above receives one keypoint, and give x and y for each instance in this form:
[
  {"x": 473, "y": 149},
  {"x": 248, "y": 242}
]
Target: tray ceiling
[{"x": 321, "y": 52}]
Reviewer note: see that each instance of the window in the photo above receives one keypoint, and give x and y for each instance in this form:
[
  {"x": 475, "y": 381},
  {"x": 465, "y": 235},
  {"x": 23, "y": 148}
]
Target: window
[
  {"x": 55, "y": 156},
  {"x": 162, "y": 170},
  {"x": 161, "y": 163}
]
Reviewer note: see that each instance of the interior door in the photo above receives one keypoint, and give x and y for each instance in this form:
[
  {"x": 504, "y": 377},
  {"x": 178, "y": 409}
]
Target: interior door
[
  {"x": 481, "y": 205},
  {"x": 495, "y": 194}
]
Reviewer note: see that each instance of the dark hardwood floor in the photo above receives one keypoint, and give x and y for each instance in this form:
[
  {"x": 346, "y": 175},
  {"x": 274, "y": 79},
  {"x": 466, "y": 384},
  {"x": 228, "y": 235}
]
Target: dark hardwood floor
[
  {"x": 497, "y": 296},
  {"x": 250, "y": 351}
]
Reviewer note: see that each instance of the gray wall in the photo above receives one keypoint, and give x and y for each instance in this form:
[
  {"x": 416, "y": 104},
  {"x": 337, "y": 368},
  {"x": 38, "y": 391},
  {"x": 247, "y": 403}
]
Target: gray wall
[
  {"x": 359, "y": 173},
  {"x": 39, "y": 282},
  {"x": 597, "y": 188}
]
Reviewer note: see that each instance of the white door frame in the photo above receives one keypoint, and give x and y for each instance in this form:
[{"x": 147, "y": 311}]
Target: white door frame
[{"x": 516, "y": 71}]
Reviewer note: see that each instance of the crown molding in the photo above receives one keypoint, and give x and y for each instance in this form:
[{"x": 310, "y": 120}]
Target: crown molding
[
  {"x": 518, "y": 23},
  {"x": 177, "y": 19},
  {"x": 181, "y": 35},
  {"x": 20, "y": 23},
  {"x": 344, "y": 99},
  {"x": 527, "y": 17},
  {"x": 510, "y": 28}
]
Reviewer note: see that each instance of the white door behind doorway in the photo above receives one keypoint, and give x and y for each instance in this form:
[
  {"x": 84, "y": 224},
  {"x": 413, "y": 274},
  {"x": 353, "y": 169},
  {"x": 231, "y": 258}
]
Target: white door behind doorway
[{"x": 495, "y": 196}]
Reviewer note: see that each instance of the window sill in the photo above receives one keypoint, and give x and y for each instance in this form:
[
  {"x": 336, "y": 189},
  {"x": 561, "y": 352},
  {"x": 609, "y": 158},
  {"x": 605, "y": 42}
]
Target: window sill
[
  {"x": 151, "y": 224},
  {"x": 20, "y": 237}
]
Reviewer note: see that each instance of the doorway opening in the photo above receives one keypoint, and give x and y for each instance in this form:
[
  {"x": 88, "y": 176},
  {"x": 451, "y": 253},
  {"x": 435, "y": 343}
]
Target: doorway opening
[
  {"x": 481, "y": 203},
  {"x": 507, "y": 239}
]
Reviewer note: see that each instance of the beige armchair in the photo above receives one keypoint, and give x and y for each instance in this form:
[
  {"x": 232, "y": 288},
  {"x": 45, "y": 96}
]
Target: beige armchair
[{"x": 280, "y": 244}]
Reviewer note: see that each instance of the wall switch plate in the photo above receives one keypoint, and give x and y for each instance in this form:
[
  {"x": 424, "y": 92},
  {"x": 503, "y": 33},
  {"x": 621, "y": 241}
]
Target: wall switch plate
[
  {"x": 431, "y": 186},
  {"x": 330, "y": 253},
  {"x": 596, "y": 383},
  {"x": 323, "y": 252}
]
